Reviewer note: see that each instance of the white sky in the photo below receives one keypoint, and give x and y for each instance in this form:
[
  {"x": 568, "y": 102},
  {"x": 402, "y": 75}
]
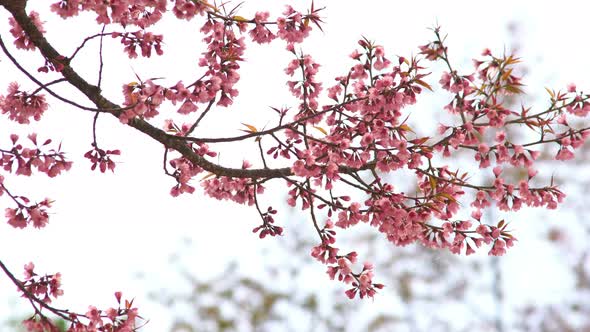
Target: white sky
[{"x": 106, "y": 228}]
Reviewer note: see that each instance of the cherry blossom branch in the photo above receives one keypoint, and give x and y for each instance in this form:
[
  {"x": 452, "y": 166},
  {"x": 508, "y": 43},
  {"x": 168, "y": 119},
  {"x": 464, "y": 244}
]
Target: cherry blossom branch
[
  {"x": 105, "y": 105},
  {"x": 367, "y": 131},
  {"x": 120, "y": 319},
  {"x": 61, "y": 313},
  {"x": 288, "y": 125},
  {"x": 93, "y": 93},
  {"x": 553, "y": 108}
]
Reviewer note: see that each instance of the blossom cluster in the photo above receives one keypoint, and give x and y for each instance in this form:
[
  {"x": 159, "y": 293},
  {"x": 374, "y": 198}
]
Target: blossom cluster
[
  {"x": 21, "y": 106},
  {"x": 101, "y": 158},
  {"x": 362, "y": 282},
  {"x": 292, "y": 27},
  {"x": 307, "y": 88},
  {"x": 268, "y": 227},
  {"x": 142, "y": 39},
  {"x": 40, "y": 290},
  {"x": 44, "y": 287},
  {"x": 27, "y": 213},
  {"x": 142, "y": 13},
  {"x": 238, "y": 190},
  {"x": 21, "y": 160},
  {"x": 184, "y": 171}
]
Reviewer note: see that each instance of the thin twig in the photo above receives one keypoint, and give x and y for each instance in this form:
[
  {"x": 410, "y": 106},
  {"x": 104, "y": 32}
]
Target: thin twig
[
  {"x": 44, "y": 87},
  {"x": 100, "y": 68}
]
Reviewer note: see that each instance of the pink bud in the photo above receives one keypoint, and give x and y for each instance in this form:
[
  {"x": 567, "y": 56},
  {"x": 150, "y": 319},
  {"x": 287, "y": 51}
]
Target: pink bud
[
  {"x": 571, "y": 87},
  {"x": 118, "y": 296}
]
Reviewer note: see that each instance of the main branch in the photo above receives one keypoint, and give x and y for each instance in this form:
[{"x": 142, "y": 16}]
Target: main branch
[{"x": 93, "y": 93}]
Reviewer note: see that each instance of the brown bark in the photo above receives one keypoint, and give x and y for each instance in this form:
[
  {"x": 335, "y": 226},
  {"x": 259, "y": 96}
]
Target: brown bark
[{"x": 14, "y": 5}]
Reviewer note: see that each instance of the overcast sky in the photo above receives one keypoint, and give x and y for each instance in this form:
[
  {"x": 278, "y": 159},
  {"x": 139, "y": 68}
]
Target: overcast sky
[{"x": 104, "y": 229}]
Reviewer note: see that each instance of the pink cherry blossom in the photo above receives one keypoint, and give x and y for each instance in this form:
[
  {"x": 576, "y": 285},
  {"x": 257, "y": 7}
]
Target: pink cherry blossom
[
  {"x": 20, "y": 106},
  {"x": 261, "y": 34}
]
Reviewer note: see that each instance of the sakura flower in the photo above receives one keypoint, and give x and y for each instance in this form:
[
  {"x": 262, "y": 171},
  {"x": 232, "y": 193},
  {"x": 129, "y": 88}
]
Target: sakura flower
[
  {"x": 261, "y": 34},
  {"x": 29, "y": 273},
  {"x": 291, "y": 27},
  {"x": 564, "y": 154},
  {"x": 20, "y": 106}
]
